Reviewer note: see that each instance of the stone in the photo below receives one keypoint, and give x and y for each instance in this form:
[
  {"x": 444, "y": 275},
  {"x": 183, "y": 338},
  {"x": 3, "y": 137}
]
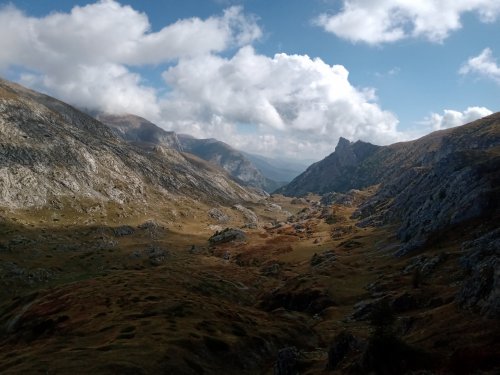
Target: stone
[
  {"x": 272, "y": 269},
  {"x": 287, "y": 361},
  {"x": 157, "y": 255},
  {"x": 343, "y": 344},
  {"x": 480, "y": 290},
  {"x": 227, "y": 235},
  {"x": 250, "y": 217},
  {"x": 219, "y": 216},
  {"x": 123, "y": 230},
  {"x": 323, "y": 259}
]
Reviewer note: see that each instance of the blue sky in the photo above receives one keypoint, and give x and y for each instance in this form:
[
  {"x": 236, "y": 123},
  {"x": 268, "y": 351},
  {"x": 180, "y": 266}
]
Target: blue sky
[{"x": 411, "y": 68}]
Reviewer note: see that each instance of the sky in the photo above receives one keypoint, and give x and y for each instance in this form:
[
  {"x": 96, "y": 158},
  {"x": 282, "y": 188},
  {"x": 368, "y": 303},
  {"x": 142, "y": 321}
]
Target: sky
[{"x": 280, "y": 78}]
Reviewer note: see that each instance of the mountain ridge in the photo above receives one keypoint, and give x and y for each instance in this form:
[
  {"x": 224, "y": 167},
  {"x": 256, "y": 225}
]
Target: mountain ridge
[
  {"x": 442, "y": 179},
  {"x": 51, "y": 150}
]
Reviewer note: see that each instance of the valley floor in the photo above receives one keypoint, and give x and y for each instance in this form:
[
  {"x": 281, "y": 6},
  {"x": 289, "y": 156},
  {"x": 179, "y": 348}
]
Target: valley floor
[{"x": 147, "y": 295}]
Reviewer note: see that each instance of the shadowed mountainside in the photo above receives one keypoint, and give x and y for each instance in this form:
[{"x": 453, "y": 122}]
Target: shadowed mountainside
[{"x": 440, "y": 180}]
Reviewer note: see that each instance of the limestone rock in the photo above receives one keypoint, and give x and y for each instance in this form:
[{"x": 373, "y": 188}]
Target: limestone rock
[
  {"x": 481, "y": 288},
  {"x": 227, "y": 235}
]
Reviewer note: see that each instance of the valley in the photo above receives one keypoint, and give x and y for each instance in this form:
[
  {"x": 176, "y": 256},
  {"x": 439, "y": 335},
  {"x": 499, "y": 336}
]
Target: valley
[
  {"x": 133, "y": 256},
  {"x": 151, "y": 294}
]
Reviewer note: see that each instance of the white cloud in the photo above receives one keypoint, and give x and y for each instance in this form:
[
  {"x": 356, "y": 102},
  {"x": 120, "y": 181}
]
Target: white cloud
[
  {"x": 386, "y": 21},
  {"x": 298, "y": 101},
  {"x": 451, "y": 118},
  {"x": 294, "y": 105},
  {"x": 483, "y": 65},
  {"x": 85, "y": 56}
]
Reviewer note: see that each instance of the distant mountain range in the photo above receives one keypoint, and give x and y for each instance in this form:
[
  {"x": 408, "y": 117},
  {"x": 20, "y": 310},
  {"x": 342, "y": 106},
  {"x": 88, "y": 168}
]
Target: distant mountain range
[
  {"x": 230, "y": 159},
  {"x": 281, "y": 170},
  {"x": 248, "y": 170}
]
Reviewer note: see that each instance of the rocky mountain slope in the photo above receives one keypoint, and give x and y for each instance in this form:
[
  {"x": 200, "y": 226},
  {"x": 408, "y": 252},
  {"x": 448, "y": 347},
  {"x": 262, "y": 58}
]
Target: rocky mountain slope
[
  {"x": 231, "y": 160},
  {"x": 342, "y": 170},
  {"x": 440, "y": 180},
  {"x": 50, "y": 152},
  {"x": 138, "y": 130},
  {"x": 145, "y": 134}
]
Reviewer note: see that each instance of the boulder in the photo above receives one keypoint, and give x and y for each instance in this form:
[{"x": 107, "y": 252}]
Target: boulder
[
  {"x": 343, "y": 344},
  {"x": 287, "y": 362},
  {"x": 480, "y": 291},
  {"x": 227, "y": 235},
  {"x": 218, "y": 215},
  {"x": 322, "y": 259},
  {"x": 123, "y": 230}
]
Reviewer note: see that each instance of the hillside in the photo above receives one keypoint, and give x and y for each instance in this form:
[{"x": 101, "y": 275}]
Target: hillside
[
  {"x": 138, "y": 130},
  {"x": 231, "y": 160},
  {"x": 443, "y": 179},
  {"x": 145, "y": 134},
  {"x": 50, "y": 152}
]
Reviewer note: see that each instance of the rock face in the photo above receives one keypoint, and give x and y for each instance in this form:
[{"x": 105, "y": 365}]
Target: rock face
[
  {"x": 481, "y": 287},
  {"x": 231, "y": 160},
  {"x": 50, "y": 151},
  {"x": 443, "y": 179}
]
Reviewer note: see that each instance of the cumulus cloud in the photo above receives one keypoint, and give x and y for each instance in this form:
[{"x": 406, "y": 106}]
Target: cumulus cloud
[
  {"x": 216, "y": 85},
  {"x": 451, "y": 118},
  {"x": 483, "y": 65},
  {"x": 386, "y": 21},
  {"x": 305, "y": 100},
  {"x": 85, "y": 56}
]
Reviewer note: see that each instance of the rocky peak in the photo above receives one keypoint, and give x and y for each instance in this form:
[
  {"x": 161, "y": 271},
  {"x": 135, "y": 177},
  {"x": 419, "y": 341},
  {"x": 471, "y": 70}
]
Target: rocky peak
[
  {"x": 345, "y": 153},
  {"x": 342, "y": 145},
  {"x": 334, "y": 173}
]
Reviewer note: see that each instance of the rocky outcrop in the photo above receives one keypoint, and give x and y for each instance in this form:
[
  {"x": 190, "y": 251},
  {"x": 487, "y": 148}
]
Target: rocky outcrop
[
  {"x": 481, "y": 288},
  {"x": 349, "y": 199},
  {"x": 218, "y": 215},
  {"x": 460, "y": 187},
  {"x": 250, "y": 217},
  {"x": 227, "y": 235},
  {"x": 49, "y": 151}
]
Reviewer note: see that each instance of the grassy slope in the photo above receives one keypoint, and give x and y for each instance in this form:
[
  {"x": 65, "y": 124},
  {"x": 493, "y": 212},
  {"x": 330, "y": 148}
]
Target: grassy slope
[{"x": 106, "y": 310}]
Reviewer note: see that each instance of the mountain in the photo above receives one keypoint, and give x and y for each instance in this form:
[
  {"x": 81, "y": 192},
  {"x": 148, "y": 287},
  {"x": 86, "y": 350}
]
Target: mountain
[
  {"x": 107, "y": 246},
  {"x": 145, "y": 134},
  {"x": 50, "y": 152},
  {"x": 136, "y": 129},
  {"x": 340, "y": 171},
  {"x": 282, "y": 170},
  {"x": 230, "y": 159},
  {"x": 444, "y": 179}
]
